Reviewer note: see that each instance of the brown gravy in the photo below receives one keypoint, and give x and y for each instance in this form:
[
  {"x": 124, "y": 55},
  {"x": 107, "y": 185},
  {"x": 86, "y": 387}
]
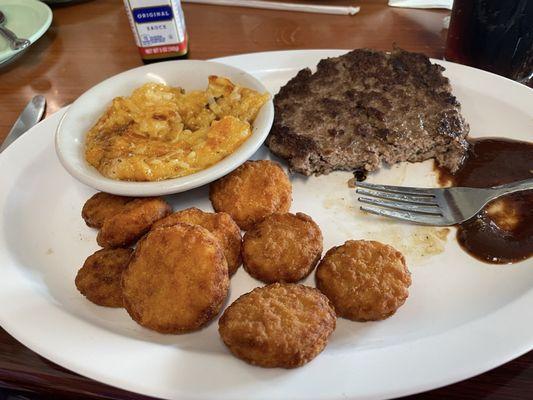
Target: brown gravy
[{"x": 503, "y": 231}]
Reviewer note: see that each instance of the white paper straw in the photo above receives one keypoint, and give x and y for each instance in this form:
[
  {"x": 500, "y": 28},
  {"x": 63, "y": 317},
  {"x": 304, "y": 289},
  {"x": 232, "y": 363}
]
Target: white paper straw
[{"x": 271, "y": 5}]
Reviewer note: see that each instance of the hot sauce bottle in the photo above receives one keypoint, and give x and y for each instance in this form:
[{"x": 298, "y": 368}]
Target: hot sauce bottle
[{"x": 158, "y": 27}]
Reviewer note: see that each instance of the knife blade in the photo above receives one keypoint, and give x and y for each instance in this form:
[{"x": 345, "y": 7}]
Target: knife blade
[{"x": 32, "y": 113}]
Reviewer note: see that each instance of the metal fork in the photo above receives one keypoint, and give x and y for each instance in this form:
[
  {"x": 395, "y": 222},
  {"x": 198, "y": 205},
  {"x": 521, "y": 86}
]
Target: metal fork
[{"x": 427, "y": 206}]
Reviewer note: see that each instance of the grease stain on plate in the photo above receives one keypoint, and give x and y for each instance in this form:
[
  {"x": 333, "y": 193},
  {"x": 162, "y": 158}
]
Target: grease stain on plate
[{"x": 417, "y": 243}]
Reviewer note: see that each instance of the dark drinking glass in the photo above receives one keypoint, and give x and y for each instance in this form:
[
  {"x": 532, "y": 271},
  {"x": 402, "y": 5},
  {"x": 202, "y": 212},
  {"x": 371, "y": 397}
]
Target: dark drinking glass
[{"x": 494, "y": 35}]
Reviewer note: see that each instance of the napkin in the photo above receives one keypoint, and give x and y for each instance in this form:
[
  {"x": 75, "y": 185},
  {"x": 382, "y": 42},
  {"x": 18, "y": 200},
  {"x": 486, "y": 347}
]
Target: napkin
[{"x": 422, "y": 3}]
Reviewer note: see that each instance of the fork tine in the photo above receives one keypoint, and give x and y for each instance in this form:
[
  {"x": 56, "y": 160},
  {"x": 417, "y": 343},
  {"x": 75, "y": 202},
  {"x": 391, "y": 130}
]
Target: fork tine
[
  {"x": 433, "y": 210},
  {"x": 397, "y": 189},
  {"x": 407, "y": 198},
  {"x": 423, "y": 219}
]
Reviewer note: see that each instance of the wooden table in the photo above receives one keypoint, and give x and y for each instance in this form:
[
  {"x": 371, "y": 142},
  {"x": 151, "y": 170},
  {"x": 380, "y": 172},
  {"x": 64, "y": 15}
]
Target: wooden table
[{"x": 90, "y": 41}]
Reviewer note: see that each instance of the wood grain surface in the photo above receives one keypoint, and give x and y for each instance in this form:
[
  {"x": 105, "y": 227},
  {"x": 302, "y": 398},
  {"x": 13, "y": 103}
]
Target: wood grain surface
[{"x": 91, "y": 40}]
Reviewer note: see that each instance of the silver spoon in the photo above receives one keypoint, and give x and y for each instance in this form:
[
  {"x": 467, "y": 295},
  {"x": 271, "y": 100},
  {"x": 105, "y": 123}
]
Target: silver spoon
[{"x": 15, "y": 42}]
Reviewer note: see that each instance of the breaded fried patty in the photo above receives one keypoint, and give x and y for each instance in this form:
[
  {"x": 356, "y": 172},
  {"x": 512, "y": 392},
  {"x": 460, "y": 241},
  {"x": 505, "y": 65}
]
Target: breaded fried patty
[
  {"x": 177, "y": 280},
  {"x": 251, "y": 192},
  {"x": 99, "y": 278},
  {"x": 365, "y": 280},
  {"x": 282, "y": 248},
  {"x": 278, "y": 325},
  {"x": 102, "y": 206},
  {"x": 219, "y": 224},
  {"x": 133, "y": 221}
]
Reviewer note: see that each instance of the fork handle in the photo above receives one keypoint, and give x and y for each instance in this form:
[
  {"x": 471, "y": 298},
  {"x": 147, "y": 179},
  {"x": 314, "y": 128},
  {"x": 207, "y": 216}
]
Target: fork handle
[
  {"x": 8, "y": 34},
  {"x": 513, "y": 187}
]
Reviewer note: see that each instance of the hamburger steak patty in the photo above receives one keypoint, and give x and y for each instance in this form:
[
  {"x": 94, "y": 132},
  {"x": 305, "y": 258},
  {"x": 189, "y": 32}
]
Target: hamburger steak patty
[{"x": 366, "y": 107}]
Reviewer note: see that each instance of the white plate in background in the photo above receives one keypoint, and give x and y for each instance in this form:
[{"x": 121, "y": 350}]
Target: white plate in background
[{"x": 28, "y": 19}]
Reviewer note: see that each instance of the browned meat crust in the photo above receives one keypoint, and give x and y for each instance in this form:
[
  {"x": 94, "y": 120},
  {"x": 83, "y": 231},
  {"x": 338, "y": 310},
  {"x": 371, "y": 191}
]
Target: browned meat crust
[{"x": 366, "y": 107}]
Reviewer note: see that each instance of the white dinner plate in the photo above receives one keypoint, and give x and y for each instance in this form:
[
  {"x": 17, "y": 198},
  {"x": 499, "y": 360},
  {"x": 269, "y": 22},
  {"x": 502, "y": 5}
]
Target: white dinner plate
[{"x": 462, "y": 317}]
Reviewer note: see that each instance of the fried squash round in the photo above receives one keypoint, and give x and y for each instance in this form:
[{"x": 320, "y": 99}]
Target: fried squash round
[
  {"x": 132, "y": 222},
  {"x": 282, "y": 248},
  {"x": 102, "y": 206},
  {"x": 219, "y": 224},
  {"x": 100, "y": 277},
  {"x": 251, "y": 192},
  {"x": 365, "y": 280},
  {"x": 278, "y": 325},
  {"x": 177, "y": 280}
]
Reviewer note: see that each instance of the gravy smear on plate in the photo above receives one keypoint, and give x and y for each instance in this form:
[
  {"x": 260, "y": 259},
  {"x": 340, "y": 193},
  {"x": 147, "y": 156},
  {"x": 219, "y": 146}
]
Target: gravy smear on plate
[{"x": 502, "y": 232}]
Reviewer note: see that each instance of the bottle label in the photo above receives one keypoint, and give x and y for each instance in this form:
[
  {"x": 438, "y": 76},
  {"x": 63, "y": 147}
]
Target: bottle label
[{"x": 158, "y": 27}]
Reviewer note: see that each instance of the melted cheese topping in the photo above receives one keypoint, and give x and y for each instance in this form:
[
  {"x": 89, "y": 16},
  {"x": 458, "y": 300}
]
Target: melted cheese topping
[{"x": 161, "y": 132}]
